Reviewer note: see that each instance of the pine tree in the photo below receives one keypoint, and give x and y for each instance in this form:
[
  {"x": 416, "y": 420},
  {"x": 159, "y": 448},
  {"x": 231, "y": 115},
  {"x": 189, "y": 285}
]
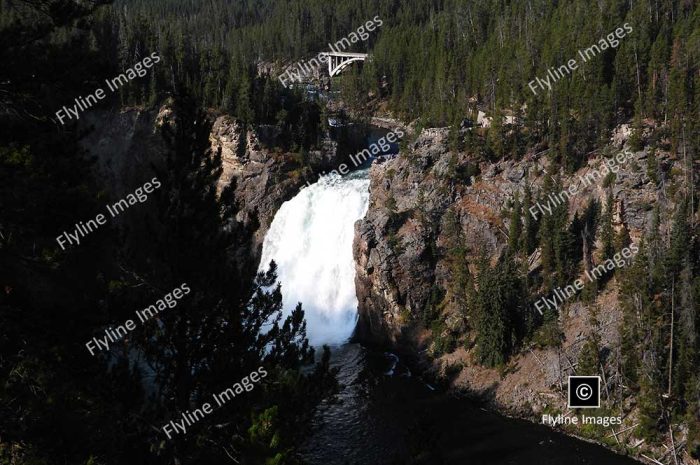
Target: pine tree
[
  {"x": 635, "y": 299},
  {"x": 636, "y": 137},
  {"x": 496, "y": 135},
  {"x": 547, "y": 229},
  {"x": 244, "y": 101},
  {"x": 649, "y": 404},
  {"x": 607, "y": 235},
  {"x": 498, "y": 299},
  {"x": 515, "y": 231},
  {"x": 589, "y": 358},
  {"x": 460, "y": 277},
  {"x": 529, "y": 233},
  {"x": 681, "y": 246},
  {"x": 220, "y": 332}
]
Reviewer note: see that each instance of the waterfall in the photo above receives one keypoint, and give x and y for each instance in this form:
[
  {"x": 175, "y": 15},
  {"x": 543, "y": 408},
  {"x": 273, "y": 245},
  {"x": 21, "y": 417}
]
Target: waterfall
[{"x": 310, "y": 239}]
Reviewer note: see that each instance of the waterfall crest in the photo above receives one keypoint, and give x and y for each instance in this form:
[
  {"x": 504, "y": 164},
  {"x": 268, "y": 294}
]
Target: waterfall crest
[{"x": 310, "y": 239}]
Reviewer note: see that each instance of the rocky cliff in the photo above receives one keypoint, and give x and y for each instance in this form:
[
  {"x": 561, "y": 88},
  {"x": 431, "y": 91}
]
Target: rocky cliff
[
  {"x": 398, "y": 243},
  {"x": 263, "y": 176},
  {"x": 127, "y": 145},
  {"x": 400, "y": 253}
]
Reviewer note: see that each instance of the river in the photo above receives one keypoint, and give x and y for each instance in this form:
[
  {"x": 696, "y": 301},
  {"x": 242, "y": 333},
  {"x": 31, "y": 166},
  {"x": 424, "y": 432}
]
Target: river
[{"x": 384, "y": 414}]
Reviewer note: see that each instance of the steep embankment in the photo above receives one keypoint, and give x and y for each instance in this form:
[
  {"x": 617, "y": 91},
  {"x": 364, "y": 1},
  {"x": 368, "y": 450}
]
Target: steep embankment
[
  {"x": 401, "y": 259},
  {"x": 128, "y": 145},
  {"x": 398, "y": 252}
]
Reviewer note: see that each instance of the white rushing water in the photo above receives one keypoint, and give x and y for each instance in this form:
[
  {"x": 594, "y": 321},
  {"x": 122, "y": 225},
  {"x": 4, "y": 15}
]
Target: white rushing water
[{"x": 310, "y": 239}]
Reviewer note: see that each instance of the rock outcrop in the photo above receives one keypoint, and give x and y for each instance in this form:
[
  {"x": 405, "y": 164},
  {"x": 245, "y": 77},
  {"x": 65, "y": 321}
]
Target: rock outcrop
[
  {"x": 401, "y": 257},
  {"x": 398, "y": 244},
  {"x": 262, "y": 177},
  {"x": 127, "y": 145}
]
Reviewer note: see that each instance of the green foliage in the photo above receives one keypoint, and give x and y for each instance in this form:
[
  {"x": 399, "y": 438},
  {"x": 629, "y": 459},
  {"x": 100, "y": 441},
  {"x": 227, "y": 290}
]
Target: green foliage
[
  {"x": 264, "y": 433},
  {"x": 589, "y": 358},
  {"x": 498, "y": 310},
  {"x": 433, "y": 307},
  {"x": 460, "y": 281},
  {"x": 693, "y": 418},
  {"x": 102, "y": 409},
  {"x": 429, "y": 59},
  {"x": 214, "y": 48},
  {"x": 653, "y": 167},
  {"x": 609, "y": 180},
  {"x": 650, "y": 409},
  {"x": 659, "y": 330},
  {"x": 516, "y": 227},
  {"x": 497, "y": 63},
  {"x": 555, "y": 236},
  {"x": 607, "y": 234},
  {"x": 528, "y": 236},
  {"x": 263, "y": 430},
  {"x": 461, "y": 171},
  {"x": 549, "y": 334},
  {"x": 390, "y": 205},
  {"x": 444, "y": 342},
  {"x": 636, "y": 140}
]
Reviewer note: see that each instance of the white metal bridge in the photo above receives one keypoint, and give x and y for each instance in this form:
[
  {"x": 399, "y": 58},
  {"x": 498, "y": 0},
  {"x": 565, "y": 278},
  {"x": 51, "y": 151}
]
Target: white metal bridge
[{"x": 338, "y": 61}]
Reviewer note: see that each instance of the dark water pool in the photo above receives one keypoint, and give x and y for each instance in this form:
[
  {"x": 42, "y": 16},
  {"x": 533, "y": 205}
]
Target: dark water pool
[{"x": 385, "y": 415}]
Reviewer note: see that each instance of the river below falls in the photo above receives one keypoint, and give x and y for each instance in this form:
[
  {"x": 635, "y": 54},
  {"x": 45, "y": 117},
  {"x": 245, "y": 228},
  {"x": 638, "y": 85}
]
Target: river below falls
[{"x": 383, "y": 413}]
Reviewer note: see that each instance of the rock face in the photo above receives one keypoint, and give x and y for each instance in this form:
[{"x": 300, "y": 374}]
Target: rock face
[
  {"x": 400, "y": 245},
  {"x": 262, "y": 177},
  {"x": 404, "y": 252},
  {"x": 394, "y": 259},
  {"x": 127, "y": 145},
  {"x": 421, "y": 200}
]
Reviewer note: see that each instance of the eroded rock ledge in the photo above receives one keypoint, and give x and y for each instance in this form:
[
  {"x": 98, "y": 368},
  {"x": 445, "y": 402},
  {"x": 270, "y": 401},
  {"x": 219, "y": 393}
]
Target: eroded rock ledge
[
  {"x": 398, "y": 244},
  {"x": 400, "y": 258},
  {"x": 127, "y": 144}
]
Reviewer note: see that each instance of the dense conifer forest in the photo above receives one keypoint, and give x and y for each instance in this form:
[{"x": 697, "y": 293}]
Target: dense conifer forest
[
  {"x": 59, "y": 403},
  {"x": 435, "y": 63},
  {"x": 439, "y": 61}
]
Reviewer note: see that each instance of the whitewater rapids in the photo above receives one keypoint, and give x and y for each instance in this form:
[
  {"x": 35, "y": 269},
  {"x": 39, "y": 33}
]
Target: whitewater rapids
[{"x": 310, "y": 239}]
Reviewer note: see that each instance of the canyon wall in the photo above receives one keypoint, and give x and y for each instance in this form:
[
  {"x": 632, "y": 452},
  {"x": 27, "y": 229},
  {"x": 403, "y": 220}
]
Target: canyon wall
[
  {"x": 126, "y": 146},
  {"x": 400, "y": 253}
]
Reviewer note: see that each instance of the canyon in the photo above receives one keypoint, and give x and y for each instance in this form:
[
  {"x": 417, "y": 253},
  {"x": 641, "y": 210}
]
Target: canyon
[
  {"x": 399, "y": 246},
  {"x": 401, "y": 258}
]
